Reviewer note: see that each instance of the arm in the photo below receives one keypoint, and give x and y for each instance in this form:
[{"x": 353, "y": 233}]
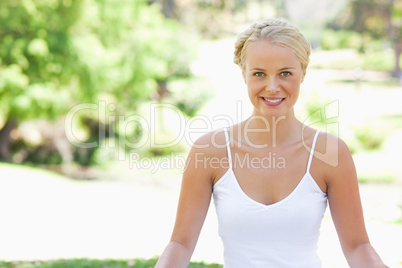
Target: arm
[
  {"x": 346, "y": 209},
  {"x": 175, "y": 255},
  {"x": 195, "y": 196}
]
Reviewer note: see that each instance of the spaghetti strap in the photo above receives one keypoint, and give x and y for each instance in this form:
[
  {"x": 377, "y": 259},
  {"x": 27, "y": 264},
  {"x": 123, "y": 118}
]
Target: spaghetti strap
[
  {"x": 312, "y": 151},
  {"x": 228, "y": 148}
]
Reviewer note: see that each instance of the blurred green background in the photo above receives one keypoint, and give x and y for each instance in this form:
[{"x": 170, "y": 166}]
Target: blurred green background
[{"x": 101, "y": 99}]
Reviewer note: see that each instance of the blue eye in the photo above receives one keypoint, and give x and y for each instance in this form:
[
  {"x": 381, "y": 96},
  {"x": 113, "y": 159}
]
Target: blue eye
[
  {"x": 259, "y": 74},
  {"x": 286, "y": 74}
]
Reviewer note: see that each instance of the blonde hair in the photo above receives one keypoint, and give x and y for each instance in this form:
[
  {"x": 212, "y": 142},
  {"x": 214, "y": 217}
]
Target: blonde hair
[{"x": 276, "y": 31}]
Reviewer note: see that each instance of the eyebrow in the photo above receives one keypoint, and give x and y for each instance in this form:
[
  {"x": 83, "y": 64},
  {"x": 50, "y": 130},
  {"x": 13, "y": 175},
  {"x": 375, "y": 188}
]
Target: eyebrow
[
  {"x": 286, "y": 68},
  {"x": 281, "y": 69},
  {"x": 257, "y": 69}
]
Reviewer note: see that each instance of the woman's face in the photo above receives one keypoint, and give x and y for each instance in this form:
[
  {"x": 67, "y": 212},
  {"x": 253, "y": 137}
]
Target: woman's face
[{"x": 273, "y": 75}]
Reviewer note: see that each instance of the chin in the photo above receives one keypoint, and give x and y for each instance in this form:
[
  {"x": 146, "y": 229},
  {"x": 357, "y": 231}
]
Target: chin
[{"x": 270, "y": 114}]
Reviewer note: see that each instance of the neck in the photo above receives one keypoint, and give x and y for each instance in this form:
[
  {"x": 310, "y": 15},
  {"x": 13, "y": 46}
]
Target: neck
[{"x": 271, "y": 131}]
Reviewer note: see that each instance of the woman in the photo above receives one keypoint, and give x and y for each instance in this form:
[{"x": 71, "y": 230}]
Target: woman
[{"x": 270, "y": 214}]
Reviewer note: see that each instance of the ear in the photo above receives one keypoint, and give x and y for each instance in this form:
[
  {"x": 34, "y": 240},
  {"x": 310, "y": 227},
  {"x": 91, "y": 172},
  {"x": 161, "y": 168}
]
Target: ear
[
  {"x": 244, "y": 76},
  {"x": 304, "y": 75}
]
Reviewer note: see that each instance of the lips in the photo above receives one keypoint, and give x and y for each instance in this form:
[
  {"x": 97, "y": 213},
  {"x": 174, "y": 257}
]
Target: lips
[{"x": 272, "y": 101}]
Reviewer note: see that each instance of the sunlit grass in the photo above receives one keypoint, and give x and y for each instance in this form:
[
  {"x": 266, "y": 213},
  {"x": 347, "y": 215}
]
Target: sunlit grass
[
  {"x": 94, "y": 263},
  {"x": 385, "y": 179}
]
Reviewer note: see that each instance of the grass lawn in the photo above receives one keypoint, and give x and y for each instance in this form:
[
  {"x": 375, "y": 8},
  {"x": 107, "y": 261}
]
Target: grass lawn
[{"x": 93, "y": 263}]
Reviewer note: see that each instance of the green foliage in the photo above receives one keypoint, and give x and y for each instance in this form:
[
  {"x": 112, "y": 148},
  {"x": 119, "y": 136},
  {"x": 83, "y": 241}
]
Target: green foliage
[
  {"x": 239, "y": 5},
  {"x": 127, "y": 48},
  {"x": 373, "y": 179},
  {"x": 36, "y": 154},
  {"x": 315, "y": 111},
  {"x": 374, "y": 53},
  {"x": 370, "y": 138},
  {"x": 367, "y": 138},
  {"x": 348, "y": 59},
  {"x": 123, "y": 48},
  {"x": 374, "y": 20},
  {"x": 332, "y": 39},
  {"x": 190, "y": 95},
  {"x": 364, "y": 16},
  {"x": 93, "y": 263},
  {"x": 36, "y": 59},
  {"x": 55, "y": 55},
  {"x": 378, "y": 61}
]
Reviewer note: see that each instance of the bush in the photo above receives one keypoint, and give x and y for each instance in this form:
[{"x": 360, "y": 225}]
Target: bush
[
  {"x": 370, "y": 138},
  {"x": 340, "y": 39},
  {"x": 360, "y": 51}
]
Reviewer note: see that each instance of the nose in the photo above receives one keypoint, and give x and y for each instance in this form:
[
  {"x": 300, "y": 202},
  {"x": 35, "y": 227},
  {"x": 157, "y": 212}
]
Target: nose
[{"x": 272, "y": 86}]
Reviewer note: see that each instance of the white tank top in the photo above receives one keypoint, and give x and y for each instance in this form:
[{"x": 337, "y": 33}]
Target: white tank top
[{"x": 280, "y": 235}]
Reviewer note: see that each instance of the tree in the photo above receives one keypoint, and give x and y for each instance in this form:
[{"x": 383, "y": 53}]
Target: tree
[
  {"x": 394, "y": 32},
  {"x": 58, "y": 54},
  {"x": 379, "y": 19},
  {"x": 37, "y": 61},
  {"x": 168, "y": 7}
]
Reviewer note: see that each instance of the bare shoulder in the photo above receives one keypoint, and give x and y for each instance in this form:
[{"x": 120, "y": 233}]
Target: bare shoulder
[
  {"x": 211, "y": 143},
  {"x": 208, "y": 155},
  {"x": 330, "y": 149},
  {"x": 335, "y": 159}
]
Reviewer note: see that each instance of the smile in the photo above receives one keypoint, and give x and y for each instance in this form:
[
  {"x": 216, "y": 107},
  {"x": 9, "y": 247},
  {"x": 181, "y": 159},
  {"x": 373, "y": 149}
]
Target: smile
[{"x": 273, "y": 102}]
